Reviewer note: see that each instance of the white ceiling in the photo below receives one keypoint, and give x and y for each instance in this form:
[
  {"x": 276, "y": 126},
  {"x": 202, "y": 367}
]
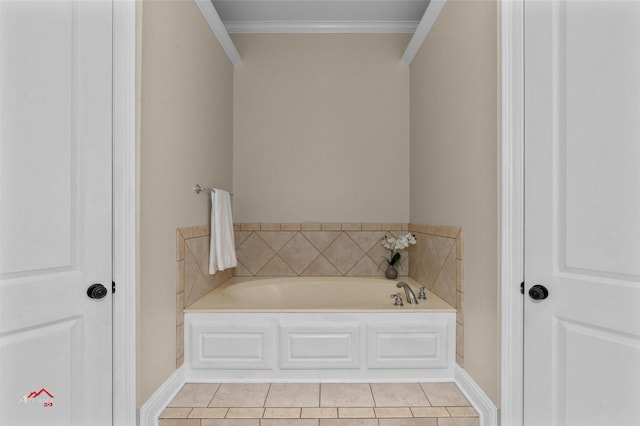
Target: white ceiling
[{"x": 304, "y": 16}]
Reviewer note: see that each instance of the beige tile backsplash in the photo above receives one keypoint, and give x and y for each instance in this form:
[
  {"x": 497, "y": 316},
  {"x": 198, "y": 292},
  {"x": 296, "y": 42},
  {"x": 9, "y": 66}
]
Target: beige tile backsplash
[{"x": 323, "y": 249}]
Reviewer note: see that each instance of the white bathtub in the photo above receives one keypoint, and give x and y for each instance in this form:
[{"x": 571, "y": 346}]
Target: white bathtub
[
  {"x": 317, "y": 329},
  {"x": 313, "y": 294}
]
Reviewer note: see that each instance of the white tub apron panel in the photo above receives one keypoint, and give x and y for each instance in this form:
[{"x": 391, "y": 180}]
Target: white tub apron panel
[{"x": 316, "y": 346}]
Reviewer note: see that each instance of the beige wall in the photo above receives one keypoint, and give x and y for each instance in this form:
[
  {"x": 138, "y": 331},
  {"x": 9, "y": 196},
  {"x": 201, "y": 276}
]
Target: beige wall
[
  {"x": 321, "y": 128},
  {"x": 186, "y": 138},
  {"x": 454, "y": 163}
]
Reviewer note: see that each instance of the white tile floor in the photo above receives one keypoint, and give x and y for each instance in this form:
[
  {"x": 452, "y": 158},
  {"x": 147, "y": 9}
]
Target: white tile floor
[{"x": 315, "y": 404}]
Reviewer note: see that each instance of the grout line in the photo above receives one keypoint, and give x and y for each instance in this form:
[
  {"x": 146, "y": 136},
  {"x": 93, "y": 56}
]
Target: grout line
[
  {"x": 373, "y": 396},
  {"x": 425, "y": 395}
]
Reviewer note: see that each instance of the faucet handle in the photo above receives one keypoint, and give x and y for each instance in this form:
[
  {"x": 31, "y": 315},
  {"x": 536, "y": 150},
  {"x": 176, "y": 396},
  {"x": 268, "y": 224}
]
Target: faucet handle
[
  {"x": 421, "y": 294},
  {"x": 398, "y": 301}
]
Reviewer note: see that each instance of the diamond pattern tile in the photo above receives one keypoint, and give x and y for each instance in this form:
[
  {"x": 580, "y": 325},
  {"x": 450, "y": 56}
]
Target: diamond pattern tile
[
  {"x": 299, "y": 253},
  {"x": 254, "y": 253},
  {"x": 321, "y": 267},
  {"x": 364, "y": 268},
  {"x": 276, "y": 267},
  {"x": 343, "y": 253},
  {"x": 276, "y": 239},
  {"x": 321, "y": 239},
  {"x": 367, "y": 239}
]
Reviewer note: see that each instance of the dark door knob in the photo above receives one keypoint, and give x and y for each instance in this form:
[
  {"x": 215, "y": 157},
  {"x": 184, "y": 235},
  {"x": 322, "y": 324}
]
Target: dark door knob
[
  {"x": 538, "y": 292},
  {"x": 97, "y": 291}
]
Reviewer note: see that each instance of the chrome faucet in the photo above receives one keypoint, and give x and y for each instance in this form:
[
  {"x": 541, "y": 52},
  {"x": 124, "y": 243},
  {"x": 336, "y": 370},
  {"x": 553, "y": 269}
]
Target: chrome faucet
[{"x": 411, "y": 297}]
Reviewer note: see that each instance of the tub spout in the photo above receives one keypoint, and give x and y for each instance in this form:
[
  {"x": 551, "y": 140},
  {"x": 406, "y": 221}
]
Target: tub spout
[{"x": 411, "y": 297}]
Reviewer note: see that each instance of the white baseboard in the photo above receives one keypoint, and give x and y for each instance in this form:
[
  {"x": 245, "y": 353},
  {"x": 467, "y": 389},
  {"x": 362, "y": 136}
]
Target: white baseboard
[
  {"x": 151, "y": 409},
  {"x": 480, "y": 401}
]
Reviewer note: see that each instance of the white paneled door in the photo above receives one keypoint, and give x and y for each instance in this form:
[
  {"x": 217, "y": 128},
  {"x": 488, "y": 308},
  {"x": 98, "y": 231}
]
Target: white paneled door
[
  {"x": 582, "y": 220},
  {"x": 56, "y": 213}
]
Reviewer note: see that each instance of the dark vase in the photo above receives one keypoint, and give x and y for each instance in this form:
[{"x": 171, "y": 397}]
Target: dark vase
[{"x": 391, "y": 272}]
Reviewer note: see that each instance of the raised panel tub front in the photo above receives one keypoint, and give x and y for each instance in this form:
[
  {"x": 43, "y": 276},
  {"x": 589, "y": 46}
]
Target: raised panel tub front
[
  {"x": 228, "y": 345},
  {"x": 320, "y": 345},
  {"x": 408, "y": 345}
]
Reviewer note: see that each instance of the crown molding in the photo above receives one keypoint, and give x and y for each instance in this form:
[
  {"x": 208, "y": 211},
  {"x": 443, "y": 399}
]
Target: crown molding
[
  {"x": 215, "y": 23},
  {"x": 342, "y": 26},
  {"x": 429, "y": 18}
]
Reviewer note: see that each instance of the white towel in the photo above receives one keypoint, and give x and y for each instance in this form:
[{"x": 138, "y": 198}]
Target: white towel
[{"x": 222, "y": 250}]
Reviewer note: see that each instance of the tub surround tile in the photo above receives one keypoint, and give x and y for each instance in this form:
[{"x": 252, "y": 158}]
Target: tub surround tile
[
  {"x": 436, "y": 263},
  {"x": 311, "y": 226},
  {"x": 345, "y": 395},
  {"x": 392, "y": 227},
  {"x": 334, "y": 249},
  {"x": 180, "y": 276},
  {"x": 293, "y": 395},
  {"x": 344, "y": 253},
  {"x": 240, "y": 237},
  {"x": 194, "y": 395},
  {"x": 276, "y": 267},
  {"x": 180, "y": 308},
  {"x": 444, "y": 285},
  {"x": 254, "y": 253},
  {"x": 179, "y": 246},
  {"x": 187, "y": 232},
  {"x": 321, "y": 239},
  {"x": 331, "y": 227},
  {"x": 250, "y": 227},
  {"x": 459, "y": 339},
  {"x": 460, "y": 246},
  {"x": 197, "y": 281},
  {"x": 398, "y": 395},
  {"x": 365, "y": 267},
  {"x": 352, "y": 227},
  {"x": 276, "y": 240},
  {"x": 240, "y": 395},
  {"x": 439, "y": 230},
  {"x": 372, "y": 227},
  {"x": 321, "y": 267},
  {"x": 299, "y": 253},
  {"x": 180, "y": 340},
  {"x": 356, "y": 413},
  {"x": 444, "y": 394},
  {"x": 242, "y": 271},
  {"x": 290, "y": 226},
  {"x": 270, "y": 226},
  {"x": 367, "y": 239}
]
